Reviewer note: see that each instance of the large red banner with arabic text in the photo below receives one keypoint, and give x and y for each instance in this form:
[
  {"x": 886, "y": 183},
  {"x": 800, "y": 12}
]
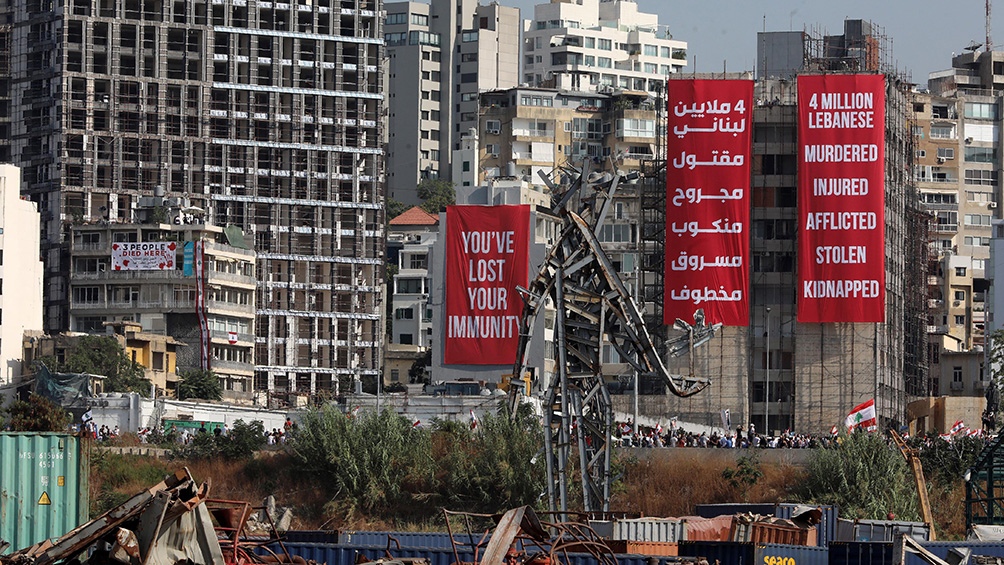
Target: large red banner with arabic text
[
  {"x": 487, "y": 256},
  {"x": 707, "y": 200},
  {"x": 841, "y": 198}
]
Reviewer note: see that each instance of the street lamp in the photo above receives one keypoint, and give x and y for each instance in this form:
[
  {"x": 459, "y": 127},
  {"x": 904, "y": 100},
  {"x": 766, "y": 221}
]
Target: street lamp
[{"x": 766, "y": 409}]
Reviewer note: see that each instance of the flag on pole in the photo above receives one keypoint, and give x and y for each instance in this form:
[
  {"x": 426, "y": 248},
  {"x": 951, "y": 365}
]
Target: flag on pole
[
  {"x": 86, "y": 417},
  {"x": 658, "y": 429},
  {"x": 354, "y": 412},
  {"x": 474, "y": 420},
  {"x": 833, "y": 431},
  {"x": 862, "y": 416},
  {"x": 416, "y": 424},
  {"x": 957, "y": 427}
]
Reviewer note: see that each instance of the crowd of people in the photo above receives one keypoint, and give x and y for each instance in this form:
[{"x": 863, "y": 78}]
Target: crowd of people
[
  {"x": 628, "y": 435},
  {"x": 181, "y": 436}
]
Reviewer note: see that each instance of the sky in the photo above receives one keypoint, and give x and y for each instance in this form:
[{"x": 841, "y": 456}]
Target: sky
[{"x": 923, "y": 33}]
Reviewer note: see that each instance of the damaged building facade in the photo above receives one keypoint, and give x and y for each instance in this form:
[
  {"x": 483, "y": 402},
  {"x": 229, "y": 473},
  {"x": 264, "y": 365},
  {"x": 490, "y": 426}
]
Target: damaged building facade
[{"x": 264, "y": 116}]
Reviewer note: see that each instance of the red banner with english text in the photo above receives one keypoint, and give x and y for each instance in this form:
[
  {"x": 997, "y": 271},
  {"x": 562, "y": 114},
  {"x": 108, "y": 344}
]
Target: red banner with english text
[
  {"x": 841, "y": 198},
  {"x": 707, "y": 200},
  {"x": 487, "y": 256}
]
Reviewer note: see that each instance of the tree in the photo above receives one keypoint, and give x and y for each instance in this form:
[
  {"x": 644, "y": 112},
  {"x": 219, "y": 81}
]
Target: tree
[
  {"x": 395, "y": 208},
  {"x": 416, "y": 373},
  {"x": 102, "y": 355},
  {"x": 37, "y": 414},
  {"x": 436, "y": 195},
  {"x": 201, "y": 384}
]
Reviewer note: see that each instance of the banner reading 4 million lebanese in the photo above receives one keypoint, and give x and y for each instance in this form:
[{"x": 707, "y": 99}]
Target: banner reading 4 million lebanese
[
  {"x": 708, "y": 201},
  {"x": 487, "y": 256},
  {"x": 841, "y": 198}
]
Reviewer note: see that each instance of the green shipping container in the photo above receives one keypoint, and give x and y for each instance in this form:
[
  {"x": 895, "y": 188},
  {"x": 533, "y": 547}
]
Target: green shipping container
[{"x": 43, "y": 486}]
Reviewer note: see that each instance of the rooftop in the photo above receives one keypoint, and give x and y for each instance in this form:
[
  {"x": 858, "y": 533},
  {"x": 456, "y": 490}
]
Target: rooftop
[{"x": 415, "y": 216}]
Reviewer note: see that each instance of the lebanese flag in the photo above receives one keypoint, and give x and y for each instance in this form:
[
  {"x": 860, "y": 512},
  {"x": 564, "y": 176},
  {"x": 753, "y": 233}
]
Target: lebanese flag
[
  {"x": 957, "y": 427},
  {"x": 658, "y": 429},
  {"x": 862, "y": 416}
]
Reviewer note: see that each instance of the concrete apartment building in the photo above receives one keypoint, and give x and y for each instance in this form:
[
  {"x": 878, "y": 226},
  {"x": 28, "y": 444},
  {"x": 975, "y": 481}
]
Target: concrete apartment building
[
  {"x": 452, "y": 51},
  {"x": 168, "y": 300},
  {"x": 590, "y": 44},
  {"x": 410, "y": 238},
  {"x": 20, "y": 276},
  {"x": 265, "y": 115},
  {"x": 958, "y": 144}
]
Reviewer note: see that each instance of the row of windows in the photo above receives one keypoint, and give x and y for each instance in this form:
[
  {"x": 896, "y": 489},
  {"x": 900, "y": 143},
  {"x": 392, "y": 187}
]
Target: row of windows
[{"x": 402, "y": 18}]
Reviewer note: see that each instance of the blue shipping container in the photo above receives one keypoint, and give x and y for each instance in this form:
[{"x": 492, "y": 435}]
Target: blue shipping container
[
  {"x": 346, "y": 554},
  {"x": 737, "y": 553},
  {"x": 310, "y": 536},
  {"x": 407, "y": 539},
  {"x": 860, "y": 553},
  {"x": 826, "y": 531}
]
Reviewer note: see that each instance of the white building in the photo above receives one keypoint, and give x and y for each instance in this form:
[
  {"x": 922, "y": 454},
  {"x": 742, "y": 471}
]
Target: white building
[
  {"x": 20, "y": 272},
  {"x": 441, "y": 55},
  {"x": 410, "y": 238},
  {"x": 586, "y": 44}
]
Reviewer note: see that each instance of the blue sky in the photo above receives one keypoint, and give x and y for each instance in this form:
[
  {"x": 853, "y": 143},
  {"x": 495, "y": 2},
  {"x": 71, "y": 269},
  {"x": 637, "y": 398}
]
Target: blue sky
[{"x": 924, "y": 33}]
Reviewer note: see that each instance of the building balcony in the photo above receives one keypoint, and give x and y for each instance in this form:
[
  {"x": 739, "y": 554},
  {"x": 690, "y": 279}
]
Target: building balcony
[
  {"x": 222, "y": 367},
  {"x": 216, "y": 276},
  {"x": 938, "y": 330},
  {"x": 946, "y": 228},
  {"x": 220, "y": 305},
  {"x": 935, "y": 302},
  {"x": 523, "y": 133},
  {"x": 957, "y": 386},
  {"x": 241, "y": 338}
]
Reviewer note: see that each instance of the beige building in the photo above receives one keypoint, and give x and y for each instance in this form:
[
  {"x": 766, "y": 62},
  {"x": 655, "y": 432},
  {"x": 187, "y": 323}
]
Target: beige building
[
  {"x": 166, "y": 300},
  {"x": 957, "y": 167},
  {"x": 20, "y": 274}
]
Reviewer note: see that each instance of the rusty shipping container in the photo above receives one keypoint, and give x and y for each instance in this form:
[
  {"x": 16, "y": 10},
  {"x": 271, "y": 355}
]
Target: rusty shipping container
[
  {"x": 43, "y": 486},
  {"x": 771, "y": 532}
]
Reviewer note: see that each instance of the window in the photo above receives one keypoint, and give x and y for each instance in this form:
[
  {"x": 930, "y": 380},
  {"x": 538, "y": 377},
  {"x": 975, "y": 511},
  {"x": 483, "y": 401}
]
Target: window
[
  {"x": 959, "y": 295},
  {"x": 423, "y": 38},
  {"x": 473, "y": 58},
  {"x": 942, "y": 132},
  {"x": 604, "y": 62},
  {"x": 946, "y": 152},
  {"x": 960, "y": 271},
  {"x": 978, "y": 219},
  {"x": 469, "y": 36},
  {"x": 976, "y": 241},
  {"x": 651, "y": 50},
  {"x": 938, "y": 198},
  {"x": 918, "y": 131},
  {"x": 605, "y": 44},
  {"x": 86, "y": 294},
  {"x": 960, "y": 320},
  {"x": 665, "y": 52},
  {"x": 957, "y": 370},
  {"x": 420, "y": 19},
  {"x": 158, "y": 361},
  {"x": 589, "y": 42},
  {"x": 409, "y": 286},
  {"x": 615, "y": 233},
  {"x": 418, "y": 261},
  {"x": 981, "y": 177},
  {"x": 404, "y": 314},
  {"x": 979, "y": 155},
  {"x": 630, "y": 127},
  {"x": 651, "y": 68},
  {"x": 979, "y": 110},
  {"x": 405, "y": 339},
  {"x": 394, "y": 19}
]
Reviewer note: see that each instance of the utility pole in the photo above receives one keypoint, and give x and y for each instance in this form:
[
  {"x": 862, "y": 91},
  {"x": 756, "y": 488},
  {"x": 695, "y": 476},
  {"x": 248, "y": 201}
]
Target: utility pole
[{"x": 766, "y": 409}]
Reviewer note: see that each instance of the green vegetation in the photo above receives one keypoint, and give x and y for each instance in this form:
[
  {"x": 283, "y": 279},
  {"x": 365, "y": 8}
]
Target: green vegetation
[
  {"x": 102, "y": 355},
  {"x": 436, "y": 195},
  {"x": 239, "y": 443},
  {"x": 395, "y": 208},
  {"x": 863, "y": 475},
  {"x": 744, "y": 475},
  {"x": 200, "y": 384},
  {"x": 380, "y": 465},
  {"x": 37, "y": 414}
]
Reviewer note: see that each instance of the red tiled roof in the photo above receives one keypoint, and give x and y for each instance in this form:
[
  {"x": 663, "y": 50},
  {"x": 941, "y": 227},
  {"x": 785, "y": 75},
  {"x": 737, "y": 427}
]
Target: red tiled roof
[{"x": 415, "y": 216}]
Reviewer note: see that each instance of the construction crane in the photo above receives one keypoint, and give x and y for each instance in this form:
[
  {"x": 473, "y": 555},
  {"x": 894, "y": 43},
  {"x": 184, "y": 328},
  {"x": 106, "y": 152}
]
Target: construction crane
[
  {"x": 593, "y": 308},
  {"x": 913, "y": 460}
]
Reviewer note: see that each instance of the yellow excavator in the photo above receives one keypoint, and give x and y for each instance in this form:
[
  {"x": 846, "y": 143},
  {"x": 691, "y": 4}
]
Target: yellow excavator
[{"x": 913, "y": 460}]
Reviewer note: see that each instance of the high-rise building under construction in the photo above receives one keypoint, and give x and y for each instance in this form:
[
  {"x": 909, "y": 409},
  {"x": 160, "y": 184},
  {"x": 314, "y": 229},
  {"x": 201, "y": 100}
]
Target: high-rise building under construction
[{"x": 264, "y": 115}]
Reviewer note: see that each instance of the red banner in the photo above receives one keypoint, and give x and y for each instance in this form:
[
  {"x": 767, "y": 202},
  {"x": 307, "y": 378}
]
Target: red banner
[
  {"x": 487, "y": 256},
  {"x": 841, "y": 198},
  {"x": 707, "y": 201}
]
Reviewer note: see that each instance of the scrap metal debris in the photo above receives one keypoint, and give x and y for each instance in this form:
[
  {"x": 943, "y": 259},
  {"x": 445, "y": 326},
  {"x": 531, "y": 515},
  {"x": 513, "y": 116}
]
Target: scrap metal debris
[{"x": 172, "y": 522}]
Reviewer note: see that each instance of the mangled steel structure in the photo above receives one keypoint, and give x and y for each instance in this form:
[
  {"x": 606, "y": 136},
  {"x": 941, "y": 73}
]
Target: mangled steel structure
[
  {"x": 593, "y": 307},
  {"x": 521, "y": 537},
  {"x": 172, "y": 522}
]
